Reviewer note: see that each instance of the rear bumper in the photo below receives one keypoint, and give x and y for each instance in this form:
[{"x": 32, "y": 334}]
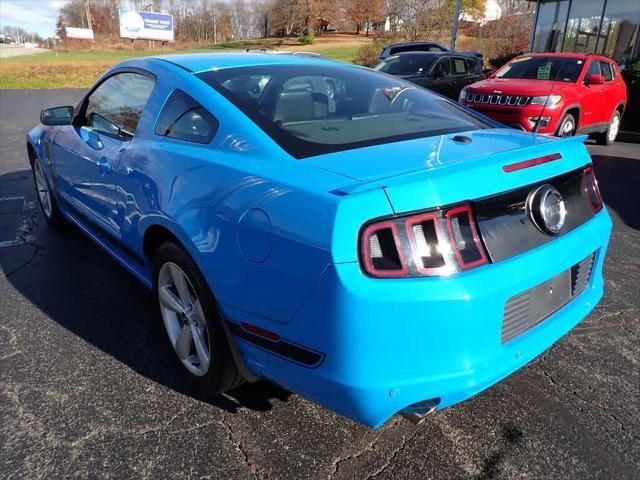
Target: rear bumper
[{"x": 390, "y": 343}]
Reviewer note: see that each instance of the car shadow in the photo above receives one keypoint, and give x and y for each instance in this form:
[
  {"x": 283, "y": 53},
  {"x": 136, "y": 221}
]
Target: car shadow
[
  {"x": 76, "y": 284},
  {"x": 619, "y": 181}
]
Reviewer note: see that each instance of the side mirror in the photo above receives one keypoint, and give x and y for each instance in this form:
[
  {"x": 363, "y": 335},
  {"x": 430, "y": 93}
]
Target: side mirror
[
  {"x": 57, "y": 116},
  {"x": 595, "y": 79},
  {"x": 437, "y": 73}
]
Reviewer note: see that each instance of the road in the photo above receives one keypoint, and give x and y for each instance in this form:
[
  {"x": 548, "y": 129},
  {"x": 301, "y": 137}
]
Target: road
[
  {"x": 89, "y": 388},
  {"x": 8, "y": 51}
]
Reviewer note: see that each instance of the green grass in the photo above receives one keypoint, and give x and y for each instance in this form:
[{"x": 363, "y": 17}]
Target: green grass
[{"x": 68, "y": 69}]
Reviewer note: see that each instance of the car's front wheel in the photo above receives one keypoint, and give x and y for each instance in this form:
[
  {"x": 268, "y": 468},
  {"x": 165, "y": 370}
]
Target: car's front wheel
[
  {"x": 190, "y": 316},
  {"x": 47, "y": 201},
  {"x": 567, "y": 126},
  {"x": 608, "y": 137}
]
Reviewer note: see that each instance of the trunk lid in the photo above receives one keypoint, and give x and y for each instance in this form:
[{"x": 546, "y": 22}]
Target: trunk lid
[{"x": 430, "y": 172}]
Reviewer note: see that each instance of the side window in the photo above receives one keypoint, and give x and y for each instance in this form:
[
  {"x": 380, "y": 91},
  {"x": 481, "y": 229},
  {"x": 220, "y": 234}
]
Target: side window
[
  {"x": 459, "y": 66},
  {"x": 443, "y": 67},
  {"x": 594, "y": 69},
  {"x": 185, "y": 119},
  {"x": 607, "y": 71},
  {"x": 115, "y": 107}
]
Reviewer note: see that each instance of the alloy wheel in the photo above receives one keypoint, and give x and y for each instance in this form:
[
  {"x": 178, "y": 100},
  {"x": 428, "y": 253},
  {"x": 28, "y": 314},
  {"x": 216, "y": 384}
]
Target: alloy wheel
[
  {"x": 44, "y": 195},
  {"x": 184, "y": 319},
  {"x": 614, "y": 128},
  {"x": 566, "y": 130}
]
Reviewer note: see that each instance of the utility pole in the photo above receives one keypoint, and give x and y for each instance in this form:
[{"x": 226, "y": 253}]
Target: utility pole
[
  {"x": 88, "y": 12},
  {"x": 454, "y": 30},
  {"x": 215, "y": 33}
]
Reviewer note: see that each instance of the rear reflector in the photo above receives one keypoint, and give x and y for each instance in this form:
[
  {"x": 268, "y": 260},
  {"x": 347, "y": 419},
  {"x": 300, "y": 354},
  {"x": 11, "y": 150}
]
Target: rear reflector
[
  {"x": 260, "y": 331},
  {"x": 531, "y": 163}
]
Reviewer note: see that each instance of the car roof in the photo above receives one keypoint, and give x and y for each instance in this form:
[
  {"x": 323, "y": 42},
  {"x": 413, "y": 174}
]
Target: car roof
[
  {"x": 581, "y": 56},
  {"x": 202, "y": 62},
  {"x": 409, "y": 44}
]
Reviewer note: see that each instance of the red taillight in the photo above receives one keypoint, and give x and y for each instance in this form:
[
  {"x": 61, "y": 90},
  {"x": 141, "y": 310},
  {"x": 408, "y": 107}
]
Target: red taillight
[
  {"x": 427, "y": 244},
  {"x": 590, "y": 189},
  {"x": 464, "y": 237},
  {"x": 382, "y": 251}
]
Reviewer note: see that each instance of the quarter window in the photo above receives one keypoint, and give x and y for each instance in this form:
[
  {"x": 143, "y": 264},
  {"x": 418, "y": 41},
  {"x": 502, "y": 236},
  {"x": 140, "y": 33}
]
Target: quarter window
[
  {"x": 607, "y": 71},
  {"x": 115, "y": 107},
  {"x": 185, "y": 119}
]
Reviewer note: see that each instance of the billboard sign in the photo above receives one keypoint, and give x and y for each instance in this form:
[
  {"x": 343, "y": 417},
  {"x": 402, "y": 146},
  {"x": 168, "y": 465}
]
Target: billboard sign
[
  {"x": 146, "y": 25},
  {"x": 79, "y": 33}
]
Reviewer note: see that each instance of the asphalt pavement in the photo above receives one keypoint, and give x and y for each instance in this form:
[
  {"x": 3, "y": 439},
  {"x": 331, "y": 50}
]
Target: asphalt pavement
[{"x": 89, "y": 387}]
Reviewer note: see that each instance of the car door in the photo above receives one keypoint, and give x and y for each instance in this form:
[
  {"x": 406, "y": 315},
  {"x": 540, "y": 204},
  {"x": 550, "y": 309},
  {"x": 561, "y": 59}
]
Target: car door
[
  {"x": 610, "y": 95},
  {"x": 442, "y": 77},
  {"x": 86, "y": 154},
  {"x": 590, "y": 96}
]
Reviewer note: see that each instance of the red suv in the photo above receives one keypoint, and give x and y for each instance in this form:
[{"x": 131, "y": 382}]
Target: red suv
[{"x": 565, "y": 93}]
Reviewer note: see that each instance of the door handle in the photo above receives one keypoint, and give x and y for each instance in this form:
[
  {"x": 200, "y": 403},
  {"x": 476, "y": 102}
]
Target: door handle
[{"x": 103, "y": 165}]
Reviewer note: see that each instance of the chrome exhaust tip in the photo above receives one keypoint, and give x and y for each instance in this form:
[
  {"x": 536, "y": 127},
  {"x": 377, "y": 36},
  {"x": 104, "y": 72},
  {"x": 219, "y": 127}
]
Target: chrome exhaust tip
[{"x": 417, "y": 412}]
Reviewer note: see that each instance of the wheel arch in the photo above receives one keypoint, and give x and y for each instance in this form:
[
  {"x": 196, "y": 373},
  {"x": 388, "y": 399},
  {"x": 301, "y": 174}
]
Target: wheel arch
[
  {"x": 573, "y": 110},
  {"x": 157, "y": 234}
]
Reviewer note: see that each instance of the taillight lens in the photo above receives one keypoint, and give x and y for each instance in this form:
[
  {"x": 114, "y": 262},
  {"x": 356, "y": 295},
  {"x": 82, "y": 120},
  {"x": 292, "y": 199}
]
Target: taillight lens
[
  {"x": 382, "y": 251},
  {"x": 441, "y": 242},
  {"x": 590, "y": 189}
]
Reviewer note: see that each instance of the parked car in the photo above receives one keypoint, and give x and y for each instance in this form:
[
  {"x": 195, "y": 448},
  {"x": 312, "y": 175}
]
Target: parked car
[
  {"x": 370, "y": 245},
  {"x": 445, "y": 73},
  {"x": 396, "y": 48},
  {"x": 557, "y": 94},
  {"x": 6, "y": 38}
]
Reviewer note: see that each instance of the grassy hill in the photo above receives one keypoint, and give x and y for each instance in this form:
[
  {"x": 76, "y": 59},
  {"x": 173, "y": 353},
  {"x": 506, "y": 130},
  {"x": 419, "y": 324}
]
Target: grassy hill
[{"x": 81, "y": 68}]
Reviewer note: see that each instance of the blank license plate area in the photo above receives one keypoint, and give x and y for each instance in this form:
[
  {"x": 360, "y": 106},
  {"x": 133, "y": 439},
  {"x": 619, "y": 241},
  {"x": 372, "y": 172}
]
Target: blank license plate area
[{"x": 549, "y": 296}]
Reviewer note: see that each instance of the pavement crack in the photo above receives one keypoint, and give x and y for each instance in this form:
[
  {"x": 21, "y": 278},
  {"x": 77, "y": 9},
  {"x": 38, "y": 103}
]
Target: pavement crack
[
  {"x": 598, "y": 405},
  {"x": 405, "y": 441},
  {"x": 354, "y": 456},
  {"x": 239, "y": 446}
]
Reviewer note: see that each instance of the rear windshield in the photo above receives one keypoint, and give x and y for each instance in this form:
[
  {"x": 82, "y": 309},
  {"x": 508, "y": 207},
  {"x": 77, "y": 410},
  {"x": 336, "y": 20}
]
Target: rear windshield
[
  {"x": 543, "y": 68},
  {"x": 406, "y": 64},
  {"x": 315, "y": 109}
]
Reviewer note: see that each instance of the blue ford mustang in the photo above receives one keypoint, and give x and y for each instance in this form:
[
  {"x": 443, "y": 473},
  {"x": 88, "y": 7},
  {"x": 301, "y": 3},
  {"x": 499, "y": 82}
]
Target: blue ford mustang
[{"x": 363, "y": 242}]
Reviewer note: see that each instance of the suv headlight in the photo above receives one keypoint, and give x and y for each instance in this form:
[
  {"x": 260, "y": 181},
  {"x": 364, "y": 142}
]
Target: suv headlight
[
  {"x": 463, "y": 95},
  {"x": 546, "y": 100}
]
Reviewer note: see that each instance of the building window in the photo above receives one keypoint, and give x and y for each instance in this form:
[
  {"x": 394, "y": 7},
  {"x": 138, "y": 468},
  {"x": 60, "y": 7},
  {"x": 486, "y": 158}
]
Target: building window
[
  {"x": 552, "y": 16},
  {"x": 583, "y": 27},
  {"x": 619, "y": 29}
]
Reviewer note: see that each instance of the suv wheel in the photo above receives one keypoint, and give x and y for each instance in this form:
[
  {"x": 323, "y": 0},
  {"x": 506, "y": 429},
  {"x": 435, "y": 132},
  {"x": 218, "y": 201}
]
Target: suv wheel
[
  {"x": 192, "y": 321},
  {"x": 608, "y": 137},
  {"x": 567, "y": 126}
]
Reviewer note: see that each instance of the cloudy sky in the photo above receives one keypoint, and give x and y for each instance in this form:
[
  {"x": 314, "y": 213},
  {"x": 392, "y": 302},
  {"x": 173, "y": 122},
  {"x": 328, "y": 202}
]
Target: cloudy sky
[{"x": 33, "y": 15}]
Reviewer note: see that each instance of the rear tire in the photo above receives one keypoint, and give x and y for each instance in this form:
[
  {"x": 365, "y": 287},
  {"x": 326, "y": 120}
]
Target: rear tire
[
  {"x": 192, "y": 321},
  {"x": 46, "y": 199},
  {"x": 609, "y": 137},
  {"x": 567, "y": 127}
]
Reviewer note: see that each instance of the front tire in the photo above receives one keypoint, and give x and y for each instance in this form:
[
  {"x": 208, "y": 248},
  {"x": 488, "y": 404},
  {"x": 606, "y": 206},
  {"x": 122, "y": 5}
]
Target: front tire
[
  {"x": 47, "y": 201},
  {"x": 192, "y": 321},
  {"x": 608, "y": 137},
  {"x": 567, "y": 127}
]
